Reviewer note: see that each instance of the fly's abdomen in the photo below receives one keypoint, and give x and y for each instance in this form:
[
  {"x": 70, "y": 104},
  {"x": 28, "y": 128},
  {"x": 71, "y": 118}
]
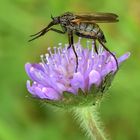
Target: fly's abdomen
[{"x": 87, "y": 30}]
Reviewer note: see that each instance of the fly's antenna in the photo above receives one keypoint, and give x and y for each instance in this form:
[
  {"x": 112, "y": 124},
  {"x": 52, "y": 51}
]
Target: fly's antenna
[{"x": 52, "y": 17}]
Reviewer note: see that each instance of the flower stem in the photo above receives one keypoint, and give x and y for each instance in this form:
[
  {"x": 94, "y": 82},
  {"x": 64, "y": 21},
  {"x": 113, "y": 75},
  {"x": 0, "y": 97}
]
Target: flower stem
[{"x": 89, "y": 121}]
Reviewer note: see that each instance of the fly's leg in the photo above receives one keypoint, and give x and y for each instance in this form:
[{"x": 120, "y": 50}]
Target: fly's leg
[
  {"x": 95, "y": 46},
  {"x": 71, "y": 44},
  {"x": 110, "y": 53},
  {"x": 58, "y": 31},
  {"x": 89, "y": 37},
  {"x": 44, "y": 31}
]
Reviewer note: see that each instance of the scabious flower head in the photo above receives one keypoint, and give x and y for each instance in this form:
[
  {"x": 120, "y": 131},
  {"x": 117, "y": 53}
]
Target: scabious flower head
[{"x": 56, "y": 80}]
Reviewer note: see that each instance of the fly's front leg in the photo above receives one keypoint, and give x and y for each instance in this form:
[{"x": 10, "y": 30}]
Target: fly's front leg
[
  {"x": 56, "y": 30},
  {"x": 71, "y": 44},
  {"x": 69, "y": 38},
  {"x": 43, "y": 32}
]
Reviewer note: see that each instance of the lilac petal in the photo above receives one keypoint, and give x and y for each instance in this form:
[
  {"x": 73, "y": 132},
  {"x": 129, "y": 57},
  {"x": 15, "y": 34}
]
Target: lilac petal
[
  {"x": 38, "y": 75},
  {"x": 27, "y": 68},
  {"x": 29, "y": 87},
  {"x": 71, "y": 90},
  {"x": 38, "y": 66},
  {"x": 51, "y": 93},
  {"x": 39, "y": 93},
  {"x": 35, "y": 74},
  {"x": 42, "y": 92},
  {"x": 35, "y": 90},
  {"x": 78, "y": 81},
  {"x": 111, "y": 66},
  {"x": 123, "y": 57},
  {"x": 94, "y": 78},
  {"x": 60, "y": 87}
]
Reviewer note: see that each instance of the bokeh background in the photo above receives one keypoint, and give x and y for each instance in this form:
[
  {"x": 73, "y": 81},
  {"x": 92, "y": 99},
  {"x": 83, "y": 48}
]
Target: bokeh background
[{"x": 26, "y": 119}]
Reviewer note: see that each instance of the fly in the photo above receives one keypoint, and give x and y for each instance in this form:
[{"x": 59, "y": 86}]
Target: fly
[{"x": 83, "y": 25}]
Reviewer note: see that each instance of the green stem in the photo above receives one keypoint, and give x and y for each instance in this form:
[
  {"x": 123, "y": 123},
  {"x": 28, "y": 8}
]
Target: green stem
[{"x": 89, "y": 121}]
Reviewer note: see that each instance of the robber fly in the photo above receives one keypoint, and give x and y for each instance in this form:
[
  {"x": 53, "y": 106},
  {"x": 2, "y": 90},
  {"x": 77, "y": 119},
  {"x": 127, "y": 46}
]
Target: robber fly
[{"x": 83, "y": 25}]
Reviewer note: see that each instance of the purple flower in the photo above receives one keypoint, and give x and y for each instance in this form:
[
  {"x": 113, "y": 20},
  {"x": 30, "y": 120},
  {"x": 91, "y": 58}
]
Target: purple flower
[{"x": 56, "y": 74}]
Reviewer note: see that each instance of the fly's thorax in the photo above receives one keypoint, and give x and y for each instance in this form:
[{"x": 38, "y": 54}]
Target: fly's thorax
[
  {"x": 69, "y": 26},
  {"x": 66, "y": 18}
]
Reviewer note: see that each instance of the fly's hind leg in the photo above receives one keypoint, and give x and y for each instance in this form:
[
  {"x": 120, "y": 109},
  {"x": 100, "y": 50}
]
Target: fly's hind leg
[
  {"x": 117, "y": 65},
  {"x": 89, "y": 37}
]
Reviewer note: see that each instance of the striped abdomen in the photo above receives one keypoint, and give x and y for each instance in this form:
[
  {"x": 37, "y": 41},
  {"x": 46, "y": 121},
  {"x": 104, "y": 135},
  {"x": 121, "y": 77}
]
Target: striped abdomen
[{"x": 88, "y": 30}]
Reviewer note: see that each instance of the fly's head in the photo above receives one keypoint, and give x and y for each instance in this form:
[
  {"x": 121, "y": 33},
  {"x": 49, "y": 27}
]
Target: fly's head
[{"x": 56, "y": 20}]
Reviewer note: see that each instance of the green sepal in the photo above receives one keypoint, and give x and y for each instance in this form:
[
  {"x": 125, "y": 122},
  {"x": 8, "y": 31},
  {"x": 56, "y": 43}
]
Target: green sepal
[
  {"x": 81, "y": 99},
  {"x": 106, "y": 82}
]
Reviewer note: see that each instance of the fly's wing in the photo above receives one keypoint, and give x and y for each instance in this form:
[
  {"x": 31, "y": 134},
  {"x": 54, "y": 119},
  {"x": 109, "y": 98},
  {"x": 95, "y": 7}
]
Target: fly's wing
[{"x": 95, "y": 18}]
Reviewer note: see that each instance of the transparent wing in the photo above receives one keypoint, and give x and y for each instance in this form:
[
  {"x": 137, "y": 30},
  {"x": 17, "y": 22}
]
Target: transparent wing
[{"x": 96, "y": 17}]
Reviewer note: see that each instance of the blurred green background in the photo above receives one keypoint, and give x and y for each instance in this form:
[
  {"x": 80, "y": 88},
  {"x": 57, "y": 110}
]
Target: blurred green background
[{"x": 26, "y": 119}]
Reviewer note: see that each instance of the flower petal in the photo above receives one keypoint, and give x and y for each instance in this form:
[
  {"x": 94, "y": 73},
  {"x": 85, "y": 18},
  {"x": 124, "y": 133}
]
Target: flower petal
[
  {"x": 123, "y": 57},
  {"x": 51, "y": 93},
  {"x": 38, "y": 75},
  {"x": 29, "y": 88},
  {"x": 78, "y": 81},
  {"x": 94, "y": 78},
  {"x": 42, "y": 92}
]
